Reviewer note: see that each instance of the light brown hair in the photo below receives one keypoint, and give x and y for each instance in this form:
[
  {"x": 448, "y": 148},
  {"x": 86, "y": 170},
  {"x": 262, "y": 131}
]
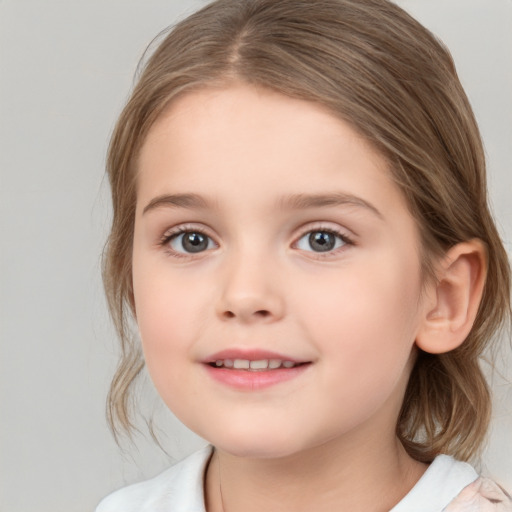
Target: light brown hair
[{"x": 371, "y": 64}]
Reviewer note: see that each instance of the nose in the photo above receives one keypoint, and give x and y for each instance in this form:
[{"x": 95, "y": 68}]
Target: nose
[{"x": 250, "y": 292}]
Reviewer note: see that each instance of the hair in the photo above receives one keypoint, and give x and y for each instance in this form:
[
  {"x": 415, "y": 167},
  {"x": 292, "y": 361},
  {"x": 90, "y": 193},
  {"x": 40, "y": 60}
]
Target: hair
[{"x": 372, "y": 65}]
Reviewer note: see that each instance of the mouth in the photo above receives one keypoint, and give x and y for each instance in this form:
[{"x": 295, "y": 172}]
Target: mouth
[
  {"x": 253, "y": 370},
  {"x": 259, "y": 365}
]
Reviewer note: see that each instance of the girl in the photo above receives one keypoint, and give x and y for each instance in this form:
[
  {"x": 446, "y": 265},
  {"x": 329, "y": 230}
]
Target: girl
[{"x": 301, "y": 232}]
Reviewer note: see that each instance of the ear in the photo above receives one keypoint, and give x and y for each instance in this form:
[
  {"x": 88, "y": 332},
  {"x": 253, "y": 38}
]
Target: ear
[{"x": 452, "y": 302}]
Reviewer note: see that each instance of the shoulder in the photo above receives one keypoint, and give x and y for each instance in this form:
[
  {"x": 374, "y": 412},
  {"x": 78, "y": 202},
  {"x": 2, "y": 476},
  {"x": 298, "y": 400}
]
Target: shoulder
[
  {"x": 449, "y": 485},
  {"x": 438, "y": 486},
  {"x": 178, "y": 488},
  {"x": 482, "y": 495}
]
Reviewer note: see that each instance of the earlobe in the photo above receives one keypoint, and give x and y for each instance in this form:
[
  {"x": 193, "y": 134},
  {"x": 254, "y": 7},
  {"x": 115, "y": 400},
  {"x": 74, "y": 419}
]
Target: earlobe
[{"x": 455, "y": 298}]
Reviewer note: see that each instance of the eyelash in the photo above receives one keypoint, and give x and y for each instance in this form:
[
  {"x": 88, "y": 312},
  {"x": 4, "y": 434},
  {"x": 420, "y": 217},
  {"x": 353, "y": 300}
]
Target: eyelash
[
  {"x": 169, "y": 236},
  {"x": 345, "y": 239}
]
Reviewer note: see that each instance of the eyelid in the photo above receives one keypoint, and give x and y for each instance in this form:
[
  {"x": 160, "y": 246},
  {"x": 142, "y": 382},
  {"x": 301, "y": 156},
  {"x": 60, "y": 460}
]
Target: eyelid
[{"x": 184, "y": 228}]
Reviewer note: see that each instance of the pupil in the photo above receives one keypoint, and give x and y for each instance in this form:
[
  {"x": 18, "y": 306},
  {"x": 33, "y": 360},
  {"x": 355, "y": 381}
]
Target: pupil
[
  {"x": 321, "y": 241},
  {"x": 195, "y": 242}
]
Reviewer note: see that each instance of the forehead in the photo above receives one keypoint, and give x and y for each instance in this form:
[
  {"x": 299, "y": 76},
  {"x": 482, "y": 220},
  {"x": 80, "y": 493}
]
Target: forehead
[{"x": 238, "y": 138}]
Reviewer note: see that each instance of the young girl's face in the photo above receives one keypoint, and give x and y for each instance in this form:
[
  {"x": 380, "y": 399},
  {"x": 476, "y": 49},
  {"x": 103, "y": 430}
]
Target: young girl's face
[{"x": 268, "y": 232}]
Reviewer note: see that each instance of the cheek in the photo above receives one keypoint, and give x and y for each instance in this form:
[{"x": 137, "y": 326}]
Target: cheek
[
  {"x": 366, "y": 320},
  {"x": 166, "y": 319},
  {"x": 166, "y": 314}
]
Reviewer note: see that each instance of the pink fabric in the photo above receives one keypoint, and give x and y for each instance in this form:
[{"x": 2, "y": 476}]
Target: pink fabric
[{"x": 483, "y": 495}]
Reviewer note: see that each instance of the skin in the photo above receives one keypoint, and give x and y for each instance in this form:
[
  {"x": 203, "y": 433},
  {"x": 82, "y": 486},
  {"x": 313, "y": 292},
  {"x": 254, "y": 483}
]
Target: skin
[{"x": 324, "y": 440}]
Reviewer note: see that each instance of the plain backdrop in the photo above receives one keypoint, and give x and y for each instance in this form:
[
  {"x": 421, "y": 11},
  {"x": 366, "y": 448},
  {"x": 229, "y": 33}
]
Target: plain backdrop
[{"x": 66, "y": 68}]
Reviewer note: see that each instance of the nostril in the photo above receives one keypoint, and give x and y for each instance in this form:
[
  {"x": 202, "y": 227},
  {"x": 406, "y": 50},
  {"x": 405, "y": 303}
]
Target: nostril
[{"x": 261, "y": 313}]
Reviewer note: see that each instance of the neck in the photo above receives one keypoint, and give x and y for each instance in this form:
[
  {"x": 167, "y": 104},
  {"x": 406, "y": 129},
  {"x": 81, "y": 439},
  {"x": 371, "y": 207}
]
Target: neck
[{"x": 338, "y": 475}]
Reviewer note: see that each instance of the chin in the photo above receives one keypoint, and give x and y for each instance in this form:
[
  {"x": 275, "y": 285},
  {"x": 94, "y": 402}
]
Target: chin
[
  {"x": 253, "y": 450},
  {"x": 256, "y": 445}
]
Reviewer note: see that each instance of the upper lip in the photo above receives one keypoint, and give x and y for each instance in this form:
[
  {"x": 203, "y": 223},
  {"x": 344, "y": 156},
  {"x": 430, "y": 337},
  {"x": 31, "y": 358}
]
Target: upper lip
[{"x": 251, "y": 355}]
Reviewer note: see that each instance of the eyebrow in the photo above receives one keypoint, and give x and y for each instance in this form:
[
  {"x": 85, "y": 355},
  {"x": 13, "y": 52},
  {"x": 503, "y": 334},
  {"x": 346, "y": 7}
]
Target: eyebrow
[
  {"x": 188, "y": 201},
  {"x": 303, "y": 201},
  {"x": 292, "y": 202}
]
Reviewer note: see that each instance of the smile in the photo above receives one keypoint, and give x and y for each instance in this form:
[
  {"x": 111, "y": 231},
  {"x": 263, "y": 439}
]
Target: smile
[
  {"x": 255, "y": 366},
  {"x": 253, "y": 369}
]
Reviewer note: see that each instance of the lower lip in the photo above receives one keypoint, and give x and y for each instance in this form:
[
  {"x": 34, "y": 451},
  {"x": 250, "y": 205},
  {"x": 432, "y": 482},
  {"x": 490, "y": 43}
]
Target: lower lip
[{"x": 246, "y": 380}]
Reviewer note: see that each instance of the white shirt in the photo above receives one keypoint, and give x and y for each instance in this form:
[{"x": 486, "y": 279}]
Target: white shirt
[{"x": 180, "y": 489}]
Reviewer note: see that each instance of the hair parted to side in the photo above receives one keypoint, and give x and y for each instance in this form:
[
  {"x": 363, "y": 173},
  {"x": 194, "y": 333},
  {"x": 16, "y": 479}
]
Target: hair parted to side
[{"x": 372, "y": 65}]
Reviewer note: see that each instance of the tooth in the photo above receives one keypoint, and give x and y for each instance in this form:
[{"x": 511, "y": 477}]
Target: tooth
[
  {"x": 242, "y": 364},
  {"x": 274, "y": 363},
  {"x": 228, "y": 363},
  {"x": 288, "y": 364},
  {"x": 219, "y": 362},
  {"x": 259, "y": 365}
]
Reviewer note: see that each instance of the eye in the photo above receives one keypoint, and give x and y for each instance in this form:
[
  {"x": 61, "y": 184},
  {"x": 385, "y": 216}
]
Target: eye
[
  {"x": 321, "y": 241},
  {"x": 190, "y": 242}
]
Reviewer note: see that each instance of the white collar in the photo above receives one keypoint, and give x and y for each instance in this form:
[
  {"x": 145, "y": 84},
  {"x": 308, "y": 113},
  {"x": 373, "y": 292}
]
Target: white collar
[
  {"x": 181, "y": 488},
  {"x": 439, "y": 485}
]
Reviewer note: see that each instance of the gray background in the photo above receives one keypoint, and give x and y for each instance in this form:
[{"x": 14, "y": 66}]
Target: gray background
[{"x": 66, "y": 68}]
